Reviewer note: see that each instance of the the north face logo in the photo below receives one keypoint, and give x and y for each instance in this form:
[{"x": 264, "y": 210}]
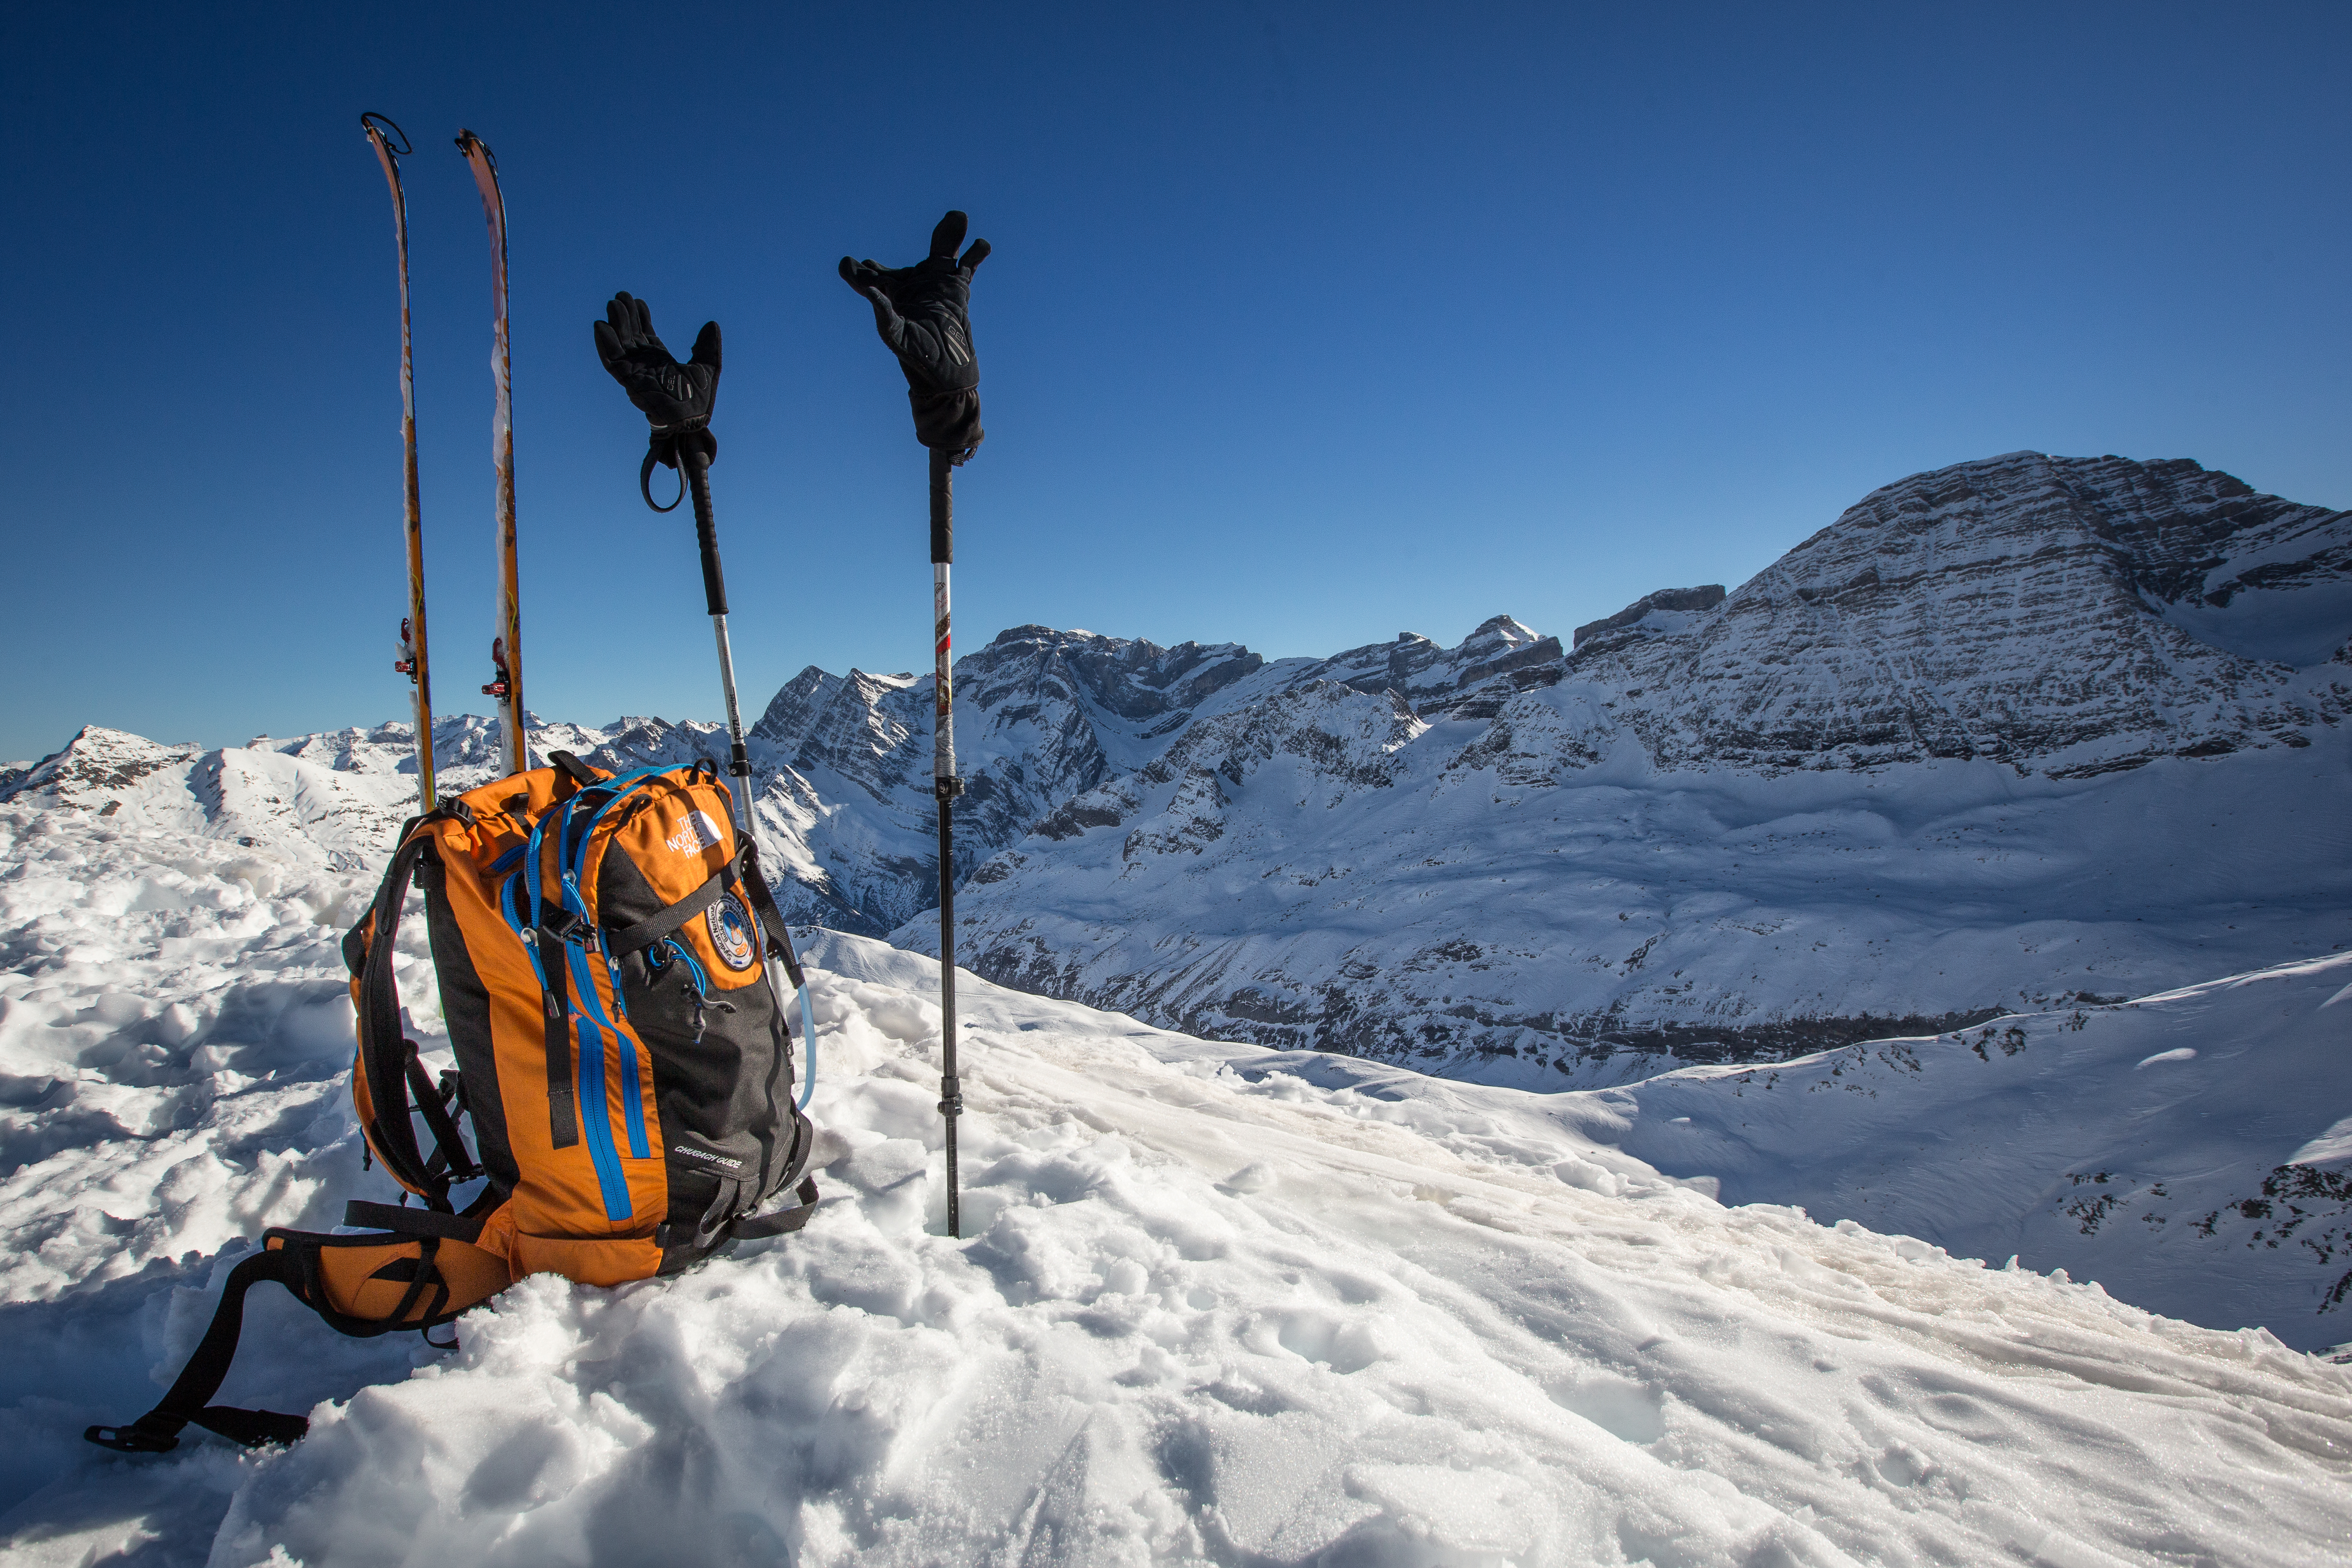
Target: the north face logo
[{"x": 697, "y": 832}]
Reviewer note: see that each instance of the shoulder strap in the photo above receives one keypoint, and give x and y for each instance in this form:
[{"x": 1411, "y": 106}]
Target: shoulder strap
[
  {"x": 412, "y": 1222},
  {"x": 384, "y": 1050},
  {"x": 158, "y": 1431},
  {"x": 770, "y": 918},
  {"x": 387, "y": 1058}
]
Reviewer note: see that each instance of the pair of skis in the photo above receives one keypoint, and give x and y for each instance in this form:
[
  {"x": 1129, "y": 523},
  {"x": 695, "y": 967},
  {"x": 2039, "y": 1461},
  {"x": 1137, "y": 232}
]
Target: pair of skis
[{"x": 391, "y": 144}]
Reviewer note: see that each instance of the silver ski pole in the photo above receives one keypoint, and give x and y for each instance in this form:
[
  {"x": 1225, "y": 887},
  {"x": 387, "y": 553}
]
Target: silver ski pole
[{"x": 695, "y": 464}]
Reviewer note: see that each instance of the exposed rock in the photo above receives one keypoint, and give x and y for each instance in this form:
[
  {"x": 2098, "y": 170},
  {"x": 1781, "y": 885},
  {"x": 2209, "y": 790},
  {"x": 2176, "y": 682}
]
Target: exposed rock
[{"x": 1668, "y": 610}]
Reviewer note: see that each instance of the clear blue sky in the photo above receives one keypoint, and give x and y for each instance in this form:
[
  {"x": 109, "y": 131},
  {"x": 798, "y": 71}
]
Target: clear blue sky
[{"x": 1305, "y": 325}]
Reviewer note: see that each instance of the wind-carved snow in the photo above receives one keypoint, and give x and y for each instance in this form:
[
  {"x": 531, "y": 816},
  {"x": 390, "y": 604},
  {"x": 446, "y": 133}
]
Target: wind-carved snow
[
  {"x": 2117, "y": 1140},
  {"x": 1217, "y": 1304}
]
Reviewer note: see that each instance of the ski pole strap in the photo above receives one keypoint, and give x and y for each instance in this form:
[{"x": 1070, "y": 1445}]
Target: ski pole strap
[
  {"x": 158, "y": 1431},
  {"x": 646, "y": 481}
]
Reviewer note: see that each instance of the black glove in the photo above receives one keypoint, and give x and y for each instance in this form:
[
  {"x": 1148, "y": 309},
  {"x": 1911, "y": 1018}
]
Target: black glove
[
  {"x": 924, "y": 314},
  {"x": 678, "y": 398}
]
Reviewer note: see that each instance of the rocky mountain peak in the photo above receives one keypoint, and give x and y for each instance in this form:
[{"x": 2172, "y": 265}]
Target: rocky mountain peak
[
  {"x": 2058, "y": 614},
  {"x": 1667, "y": 613},
  {"x": 91, "y": 769}
]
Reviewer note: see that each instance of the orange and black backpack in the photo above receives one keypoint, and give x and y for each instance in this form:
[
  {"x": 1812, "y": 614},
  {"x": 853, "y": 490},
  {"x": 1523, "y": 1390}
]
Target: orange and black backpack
[{"x": 603, "y": 947}]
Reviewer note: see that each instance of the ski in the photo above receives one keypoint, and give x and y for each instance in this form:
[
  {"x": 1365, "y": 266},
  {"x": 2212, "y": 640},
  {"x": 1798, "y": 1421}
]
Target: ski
[
  {"x": 506, "y": 645},
  {"x": 412, "y": 662}
]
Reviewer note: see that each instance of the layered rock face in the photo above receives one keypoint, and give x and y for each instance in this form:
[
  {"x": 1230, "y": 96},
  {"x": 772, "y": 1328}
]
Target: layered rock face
[{"x": 2068, "y": 616}]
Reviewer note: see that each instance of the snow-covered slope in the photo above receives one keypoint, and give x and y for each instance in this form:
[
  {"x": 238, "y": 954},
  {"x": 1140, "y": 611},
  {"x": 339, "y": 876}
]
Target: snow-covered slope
[
  {"x": 1313, "y": 871},
  {"x": 1217, "y": 1304},
  {"x": 2131, "y": 1143}
]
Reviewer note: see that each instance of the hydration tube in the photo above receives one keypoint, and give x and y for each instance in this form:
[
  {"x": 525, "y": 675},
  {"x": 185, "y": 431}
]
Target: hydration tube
[{"x": 808, "y": 1034}]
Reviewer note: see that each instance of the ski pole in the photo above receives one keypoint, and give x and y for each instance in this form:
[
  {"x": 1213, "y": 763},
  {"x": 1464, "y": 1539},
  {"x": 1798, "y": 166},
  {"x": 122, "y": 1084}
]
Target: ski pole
[
  {"x": 923, "y": 314},
  {"x": 505, "y": 647},
  {"x": 946, "y": 786},
  {"x": 677, "y": 399},
  {"x": 381, "y": 134},
  {"x": 696, "y": 469}
]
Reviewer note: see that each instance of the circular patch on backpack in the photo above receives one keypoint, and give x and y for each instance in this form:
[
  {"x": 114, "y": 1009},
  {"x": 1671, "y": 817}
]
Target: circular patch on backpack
[{"x": 731, "y": 928}]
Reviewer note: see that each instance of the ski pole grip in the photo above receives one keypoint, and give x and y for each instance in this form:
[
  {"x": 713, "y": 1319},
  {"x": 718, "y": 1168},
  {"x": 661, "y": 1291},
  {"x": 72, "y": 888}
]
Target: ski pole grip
[
  {"x": 705, "y": 527},
  {"x": 943, "y": 509}
]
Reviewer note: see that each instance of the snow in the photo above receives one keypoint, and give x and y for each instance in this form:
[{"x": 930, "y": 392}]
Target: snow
[
  {"x": 1511, "y": 920},
  {"x": 2094, "y": 1137},
  {"x": 1217, "y": 1304}
]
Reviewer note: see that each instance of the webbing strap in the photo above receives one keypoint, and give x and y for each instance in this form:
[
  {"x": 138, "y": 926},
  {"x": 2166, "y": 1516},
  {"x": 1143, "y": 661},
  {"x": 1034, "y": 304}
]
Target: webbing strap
[
  {"x": 385, "y": 1050},
  {"x": 411, "y": 1222},
  {"x": 761, "y": 1228},
  {"x": 159, "y": 1430},
  {"x": 772, "y": 919},
  {"x": 652, "y": 928},
  {"x": 451, "y": 1151}
]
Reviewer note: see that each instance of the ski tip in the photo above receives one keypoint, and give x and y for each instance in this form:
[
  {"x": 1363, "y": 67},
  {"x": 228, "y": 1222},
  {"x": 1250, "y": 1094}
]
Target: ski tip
[{"x": 378, "y": 125}]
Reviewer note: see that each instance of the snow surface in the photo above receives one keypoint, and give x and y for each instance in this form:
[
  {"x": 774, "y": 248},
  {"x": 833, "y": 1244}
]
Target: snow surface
[
  {"x": 2092, "y": 1138},
  {"x": 1217, "y": 1304},
  {"x": 1506, "y": 918}
]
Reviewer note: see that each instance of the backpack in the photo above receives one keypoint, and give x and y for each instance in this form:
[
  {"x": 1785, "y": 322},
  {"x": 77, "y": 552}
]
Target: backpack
[{"x": 601, "y": 943}]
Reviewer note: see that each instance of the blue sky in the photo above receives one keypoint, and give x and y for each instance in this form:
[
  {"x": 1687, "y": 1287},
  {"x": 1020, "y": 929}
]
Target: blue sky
[{"x": 1305, "y": 325}]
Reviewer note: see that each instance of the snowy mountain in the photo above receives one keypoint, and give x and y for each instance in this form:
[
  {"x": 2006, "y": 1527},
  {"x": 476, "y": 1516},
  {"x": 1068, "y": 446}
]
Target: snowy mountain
[
  {"x": 1216, "y": 1303},
  {"x": 2004, "y": 736}
]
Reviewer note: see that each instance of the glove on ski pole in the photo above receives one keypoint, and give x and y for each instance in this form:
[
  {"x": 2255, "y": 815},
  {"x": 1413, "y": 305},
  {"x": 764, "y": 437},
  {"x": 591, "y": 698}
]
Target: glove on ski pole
[
  {"x": 924, "y": 315},
  {"x": 678, "y": 398}
]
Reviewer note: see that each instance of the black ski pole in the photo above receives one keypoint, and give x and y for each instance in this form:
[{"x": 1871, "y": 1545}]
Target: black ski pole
[
  {"x": 923, "y": 313},
  {"x": 945, "y": 786},
  {"x": 696, "y": 466}
]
